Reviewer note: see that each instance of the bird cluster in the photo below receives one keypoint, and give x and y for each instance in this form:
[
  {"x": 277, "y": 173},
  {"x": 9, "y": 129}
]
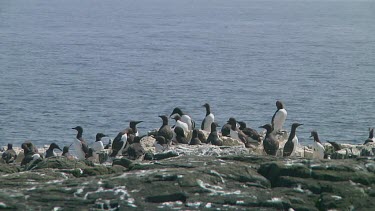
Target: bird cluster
[{"x": 128, "y": 142}]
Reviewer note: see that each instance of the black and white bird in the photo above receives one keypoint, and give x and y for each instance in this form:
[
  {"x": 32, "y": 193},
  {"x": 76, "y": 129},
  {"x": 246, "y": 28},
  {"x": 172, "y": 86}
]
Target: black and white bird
[
  {"x": 160, "y": 144},
  {"x": 80, "y": 145},
  {"x": 136, "y": 150},
  {"x": 208, "y": 119},
  {"x": 251, "y": 133},
  {"x": 133, "y": 126},
  {"x": 214, "y": 138},
  {"x": 225, "y": 130},
  {"x": 181, "y": 124},
  {"x": 30, "y": 152},
  {"x": 9, "y": 156},
  {"x": 279, "y": 117},
  {"x": 292, "y": 143},
  {"x": 98, "y": 145},
  {"x": 50, "y": 152},
  {"x": 67, "y": 154},
  {"x": 235, "y": 132},
  {"x": 318, "y": 148},
  {"x": 165, "y": 130},
  {"x": 119, "y": 142},
  {"x": 195, "y": 140},
  {"x": 270, "y": 144},
  {"x": 370, "y": 138},
  {"x": 184, "y": 118},
  {"x": 180, "y": 135}
]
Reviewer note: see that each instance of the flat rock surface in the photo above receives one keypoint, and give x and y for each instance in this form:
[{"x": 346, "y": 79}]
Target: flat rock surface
[{"x": 191, "y": 182}]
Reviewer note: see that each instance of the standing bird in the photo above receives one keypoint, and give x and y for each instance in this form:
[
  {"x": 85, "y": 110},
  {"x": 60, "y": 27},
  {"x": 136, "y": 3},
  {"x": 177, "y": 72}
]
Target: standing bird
[
  {"x": 184, "y": 118},
  {"x": 236, "y": 133},
  {"x": 165, "y": 130},
  {"x": 98, "y": 144},
  {"x": 318, "y": 148},
  {"x": 208, "y": 119},
  {"x": 119, "y": 142},
  {"x": 292, "y": 143},
  {"x": 29, "y": 147},
  {"x": 9, "y": 156},
  {"x": 180, "y": 135},
  {"x": 225, "y": 130},
  {"x": 160, "y": 144},
  {"x": 195, "y": 140},
  {"x": 180, "y": 123},
  {"x": 109, "y": 145},
  {"x": 50, "y": 152},
  {"x": 279, "y": 117},
  {"x": 251, "y": 133},
  {"x": 133, "y": 126},
  {"x": 270, "y": 144},
  {"x": 80, "y": 146},
  {"x": 135, "y": 150},
  {"x": 335, "y": 145},
  {"x": 30, "y": 152},
  {"x": 213, "y": 138},
  {"x": 67, "y": 154},
  {"x": 370, "y": 136}
]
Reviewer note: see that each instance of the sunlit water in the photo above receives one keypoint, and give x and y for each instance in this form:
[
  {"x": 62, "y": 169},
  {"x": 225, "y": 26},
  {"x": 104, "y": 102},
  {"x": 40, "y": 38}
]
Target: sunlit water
[{"x": 99, "y": 64}]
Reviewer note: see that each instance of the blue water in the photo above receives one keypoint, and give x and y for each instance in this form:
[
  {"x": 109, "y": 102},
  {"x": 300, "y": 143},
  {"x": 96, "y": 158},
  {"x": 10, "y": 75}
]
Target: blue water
[{"x": 99, "y": 64}]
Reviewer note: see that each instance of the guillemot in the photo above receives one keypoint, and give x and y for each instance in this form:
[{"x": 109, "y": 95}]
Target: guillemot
[
  {"x": 181, "y": 124},
  {"x": 208, "y": 119},
  {"x": 133, "y": 126},
  {"x": 318, "y": 148},
  {"x": 184, "y": 118},
  {"x": 195, "y": 140},
  {"x": 165, "y": 130},
  {"x": 270, "y": 144},
  {"x": 97, "y": 146},
  {"x": 119, "y": 142},
  {"x": 279, "y": 117},
  {"x": 213, "y": 138},
  {"x": 370, "y": 138},
  {"x": 80, "y": 146},
  {"x": 160, "y": 144},
  {"x": 180, "y": 135},
  {"x": 135, "y": 150},
  {"x": 50, "y": 152},
  {"x": 292, "y": 143},
  {"x": 251, "y": 133},
  {"x": 9, "y": 156}
]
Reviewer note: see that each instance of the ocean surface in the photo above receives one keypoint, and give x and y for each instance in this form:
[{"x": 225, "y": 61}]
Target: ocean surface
[{"x": 99, "y": 64}]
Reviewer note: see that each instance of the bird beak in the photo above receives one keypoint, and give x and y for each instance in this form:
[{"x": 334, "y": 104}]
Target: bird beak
[
  {"x": 73, "y": 128},
  {"x": 261, "y": 127},
  {"x": 59, "y": 148}
]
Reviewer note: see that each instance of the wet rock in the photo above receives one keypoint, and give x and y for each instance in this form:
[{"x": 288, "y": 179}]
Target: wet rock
[
  {"x": 123, "y": 162},
  {"x": 161, "y": 156},
  {"x": 168, "y": 197}
]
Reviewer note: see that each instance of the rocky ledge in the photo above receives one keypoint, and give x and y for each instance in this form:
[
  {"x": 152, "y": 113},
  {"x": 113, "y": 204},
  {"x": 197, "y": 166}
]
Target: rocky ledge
[{"x": 191, "y": 182}]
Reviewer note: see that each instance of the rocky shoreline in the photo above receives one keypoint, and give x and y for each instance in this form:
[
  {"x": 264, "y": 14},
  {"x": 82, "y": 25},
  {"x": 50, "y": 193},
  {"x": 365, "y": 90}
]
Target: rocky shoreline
[{"x": 196, "y": 178}]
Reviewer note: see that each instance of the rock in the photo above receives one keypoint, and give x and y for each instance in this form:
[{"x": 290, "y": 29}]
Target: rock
[
  {"x": 169, "y": 154},
  {"x": 227, "y": 141},
  {"x": 8, "y": 168},
  {"x": 123, "y": 162},
  {"x": 147, "y": 143},
  {"x": 168, "y": 197}
]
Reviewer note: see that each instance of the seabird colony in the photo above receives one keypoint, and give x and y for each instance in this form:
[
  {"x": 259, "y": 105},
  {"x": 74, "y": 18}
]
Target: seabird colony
[{"x": 128, "y": 141}]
